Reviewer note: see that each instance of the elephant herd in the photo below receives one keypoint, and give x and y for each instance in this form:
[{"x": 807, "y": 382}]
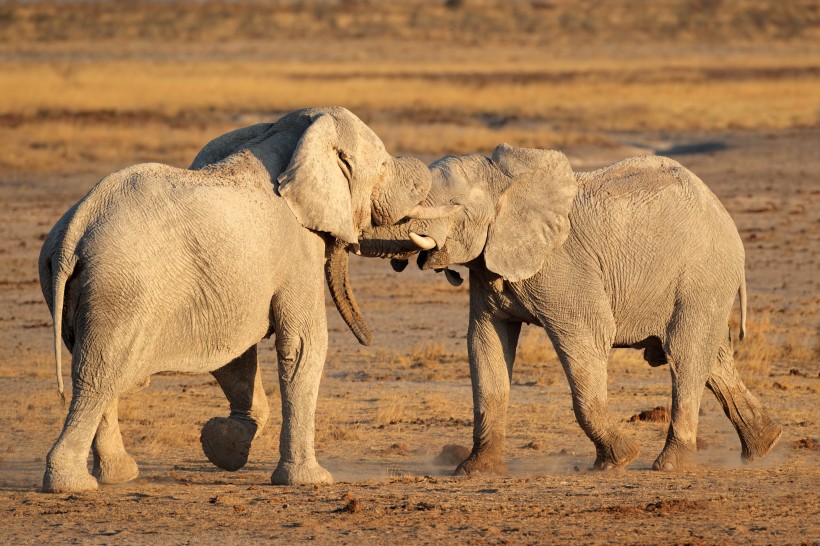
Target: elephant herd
[{"x": 167, "y": 269}]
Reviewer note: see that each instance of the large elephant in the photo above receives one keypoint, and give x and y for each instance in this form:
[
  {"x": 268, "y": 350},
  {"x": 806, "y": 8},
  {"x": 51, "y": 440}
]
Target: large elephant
[
  {"x": 639, "y": 254},
  {"x": 166, "y": 269}
]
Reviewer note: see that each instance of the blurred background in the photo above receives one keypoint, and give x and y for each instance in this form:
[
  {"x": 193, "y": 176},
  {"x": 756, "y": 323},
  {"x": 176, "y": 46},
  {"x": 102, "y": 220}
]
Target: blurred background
[{"x": 93, "y": 86}]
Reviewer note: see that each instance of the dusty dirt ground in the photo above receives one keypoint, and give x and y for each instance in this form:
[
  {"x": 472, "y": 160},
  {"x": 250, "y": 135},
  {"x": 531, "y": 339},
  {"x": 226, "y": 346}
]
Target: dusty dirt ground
[{"x": 386, "y": 412}]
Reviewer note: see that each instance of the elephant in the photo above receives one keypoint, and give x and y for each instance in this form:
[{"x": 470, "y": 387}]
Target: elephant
[
  {"x": 160, "y": 268},
  {"x": 639, "y": 254}
]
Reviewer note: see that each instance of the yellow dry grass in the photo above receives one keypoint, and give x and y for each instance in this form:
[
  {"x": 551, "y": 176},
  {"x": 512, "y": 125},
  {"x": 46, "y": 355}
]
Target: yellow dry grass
[
  {"x": 63, "y": 115},
  {"x": 392, "y": 409}
]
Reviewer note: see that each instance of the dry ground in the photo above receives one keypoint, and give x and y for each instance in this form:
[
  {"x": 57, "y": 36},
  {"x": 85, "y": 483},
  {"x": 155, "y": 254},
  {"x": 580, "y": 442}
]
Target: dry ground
[{"x": 733, "y": 92}]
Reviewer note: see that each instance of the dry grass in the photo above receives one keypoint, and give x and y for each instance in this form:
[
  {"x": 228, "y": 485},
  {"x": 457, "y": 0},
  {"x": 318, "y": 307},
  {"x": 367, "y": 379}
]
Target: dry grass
[
  {"x": 429, "y": 355},
  {"x": 463, "y": 22},
  {"x": 29, "y": 362},
  {"x": 88, "y": 87},
  {"x": 392, "y": 409},
  {"x": 135, "y": 110},
  {"x": 755, "y": 355},
  {"x": 534, "y": 347}
]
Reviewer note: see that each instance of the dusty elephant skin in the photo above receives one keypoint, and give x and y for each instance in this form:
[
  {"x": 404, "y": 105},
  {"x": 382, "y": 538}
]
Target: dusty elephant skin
[
  {"x": 165, "y": 269},
  {"x": 639, "y": 254}
]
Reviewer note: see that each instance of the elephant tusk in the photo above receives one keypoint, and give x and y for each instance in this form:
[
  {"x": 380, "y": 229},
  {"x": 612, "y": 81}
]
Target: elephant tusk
[
  {"x": 420, "y": 212},
  {"x": 425, "y": 243}
]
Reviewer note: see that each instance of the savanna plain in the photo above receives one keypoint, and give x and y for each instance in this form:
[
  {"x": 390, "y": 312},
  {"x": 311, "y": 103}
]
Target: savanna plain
[{"x": 729, "y": 89}]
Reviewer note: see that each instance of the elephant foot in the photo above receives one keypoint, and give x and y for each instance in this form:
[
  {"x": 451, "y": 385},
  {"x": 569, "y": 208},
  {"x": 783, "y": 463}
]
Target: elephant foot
[
  {"x": 299, "y": 474},
  {"x": 756, "y": 446},
  {"x": 483, "y": 461},
  {"x": 120, "y": 468},
  {"x": 67, "y": 481},
  {"x": 676, "y": 456},
  {"x": 618, "y": 454},
  {"x": 227, "y": 442}
]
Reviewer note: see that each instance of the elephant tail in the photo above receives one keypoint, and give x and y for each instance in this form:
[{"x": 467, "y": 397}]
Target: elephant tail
[
  {"x": 63, "y": 271},
  {"x": 742, "y": 292}
]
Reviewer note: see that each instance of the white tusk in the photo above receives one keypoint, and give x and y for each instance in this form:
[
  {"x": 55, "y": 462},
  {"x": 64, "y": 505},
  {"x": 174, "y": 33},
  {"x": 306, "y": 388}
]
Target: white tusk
[
  {"x": 420, "y": 212},
  {"x": 425, "y": 243}
]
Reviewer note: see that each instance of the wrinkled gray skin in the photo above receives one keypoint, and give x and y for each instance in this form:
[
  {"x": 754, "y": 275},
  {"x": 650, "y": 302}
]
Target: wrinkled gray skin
[
  {"x": 166, "y": 269},
  {"x": 640, "y": 254}
]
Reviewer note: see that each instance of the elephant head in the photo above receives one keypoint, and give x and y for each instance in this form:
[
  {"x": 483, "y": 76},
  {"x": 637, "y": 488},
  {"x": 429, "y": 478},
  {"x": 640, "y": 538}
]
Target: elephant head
[
  {"x": 336, "y": 177},
  {"x": 509, "y": 211}
]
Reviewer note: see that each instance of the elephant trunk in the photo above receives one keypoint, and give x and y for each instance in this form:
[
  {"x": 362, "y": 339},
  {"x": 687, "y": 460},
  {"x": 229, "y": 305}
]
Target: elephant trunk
[
  {"x": 339, "y": 286},
  {"x": 388, "y": 242},
  {"x": 406, "y": 185}
]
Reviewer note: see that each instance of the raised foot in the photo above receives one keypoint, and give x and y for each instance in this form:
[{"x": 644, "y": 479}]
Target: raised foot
[
  {"x": 55, "y": 481},
  {"x": 293, "y": 474},
  {"x": 119, "y": 469},
  {"x": 482, "y": 462},
  {"x": 676, "y": 457},
  {"x": 616, "y": 455},
  {"x": 757, "y": 447},
  {"x": 227, "y": 442}
]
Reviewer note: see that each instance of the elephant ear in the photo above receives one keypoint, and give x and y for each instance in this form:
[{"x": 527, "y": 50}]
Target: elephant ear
[
  {"x": 531, "y": 215},
  {"x": 316, "y": 184}
]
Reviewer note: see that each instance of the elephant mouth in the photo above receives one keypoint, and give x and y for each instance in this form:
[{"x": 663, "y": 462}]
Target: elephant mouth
[{"x": 433, "y": 259}]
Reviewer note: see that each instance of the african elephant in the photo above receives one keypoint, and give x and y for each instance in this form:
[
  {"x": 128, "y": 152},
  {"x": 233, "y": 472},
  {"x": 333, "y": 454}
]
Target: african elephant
[
  {"x": 166, "y": 269},
  {"x": 639, "y": 254}
]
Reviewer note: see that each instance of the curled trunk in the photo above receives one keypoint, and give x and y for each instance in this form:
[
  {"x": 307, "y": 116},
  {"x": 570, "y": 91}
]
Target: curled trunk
[{"x": 339, "y": 285}]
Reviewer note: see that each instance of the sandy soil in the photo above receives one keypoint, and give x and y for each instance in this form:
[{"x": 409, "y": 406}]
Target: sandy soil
[{"x": 386, "y": 412}]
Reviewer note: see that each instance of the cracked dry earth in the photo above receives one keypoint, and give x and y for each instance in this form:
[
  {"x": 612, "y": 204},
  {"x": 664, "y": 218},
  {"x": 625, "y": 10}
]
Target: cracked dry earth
[{"x": 386, "y": 412}]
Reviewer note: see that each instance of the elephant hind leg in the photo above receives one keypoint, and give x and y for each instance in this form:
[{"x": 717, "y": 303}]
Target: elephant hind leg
[
  {"x": 692, "y": 346},
  {"x": 226, "y": 441},
  {"x": 66, "y": 464},
  {"x": 112, "y": 463},
  {"x": 758, "y": 433}
]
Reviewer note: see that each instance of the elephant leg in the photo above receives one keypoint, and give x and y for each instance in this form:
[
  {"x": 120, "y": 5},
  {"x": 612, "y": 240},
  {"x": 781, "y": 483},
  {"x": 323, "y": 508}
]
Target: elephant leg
[
  {"x": 692, "y": 347},
  {"x": 112, "y": 464},
  {"x": 66, "y": 464},
  {"x": 758, "y": 433},
  {"x": 301, "y": 347},
  {"x": 491, "y": 345},
  {"x": 585, "y": 364},
  {"x": 226, "y": 441}
]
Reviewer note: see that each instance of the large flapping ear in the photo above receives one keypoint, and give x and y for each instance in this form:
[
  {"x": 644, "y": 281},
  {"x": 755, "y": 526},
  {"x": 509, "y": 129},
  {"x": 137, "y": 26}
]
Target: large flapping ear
[
  {"x": 531, "y": 215},
  {"x": 316, "y": 185},
  {"x": 223, "y": 146}
]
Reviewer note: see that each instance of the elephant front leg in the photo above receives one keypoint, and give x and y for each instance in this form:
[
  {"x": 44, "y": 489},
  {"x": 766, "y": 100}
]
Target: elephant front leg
[
  {"x": 491, "y": 345},
  {"x": 226, "y": 441},
  {"x": 112, "y": 464},
  {"x": 758, "y": 433},
  {"x": 301, "y": 346},
  {"x": 588, "y": 382}
]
